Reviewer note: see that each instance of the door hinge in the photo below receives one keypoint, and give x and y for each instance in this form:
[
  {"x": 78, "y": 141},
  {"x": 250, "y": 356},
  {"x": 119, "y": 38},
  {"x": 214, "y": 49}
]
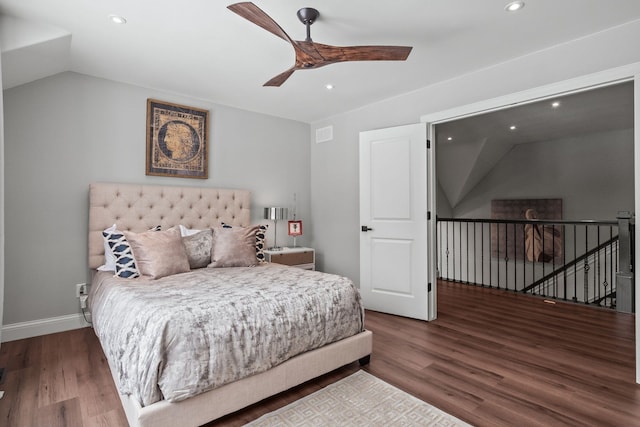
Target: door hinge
[
  {"x": 428, "y": 143},
  {"x": 429, "y": 287},
  {"x": 428, "y": 215}
]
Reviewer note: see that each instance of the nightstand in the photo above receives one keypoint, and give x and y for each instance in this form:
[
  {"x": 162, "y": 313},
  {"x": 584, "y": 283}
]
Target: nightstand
[{"x": 295, "y": 257}]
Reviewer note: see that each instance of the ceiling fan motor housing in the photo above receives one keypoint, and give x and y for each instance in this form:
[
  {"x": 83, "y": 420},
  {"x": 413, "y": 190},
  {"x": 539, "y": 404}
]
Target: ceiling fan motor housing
[{"x": 308, "y": 15}]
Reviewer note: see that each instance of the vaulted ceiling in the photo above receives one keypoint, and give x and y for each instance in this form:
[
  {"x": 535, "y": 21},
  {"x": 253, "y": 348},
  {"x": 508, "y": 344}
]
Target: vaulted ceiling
[
  {"x": 477, "y": 143},
  {"x": 200, "y": 49}
]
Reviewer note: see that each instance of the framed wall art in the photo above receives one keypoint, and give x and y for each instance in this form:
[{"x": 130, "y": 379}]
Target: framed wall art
[
  {"x": 177, "y": 140},
  {"x": 530, "y": 242}
]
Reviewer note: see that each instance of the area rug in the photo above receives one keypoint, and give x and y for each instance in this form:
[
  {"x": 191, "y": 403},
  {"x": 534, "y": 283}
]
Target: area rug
[{"x": 358, "y": 400}]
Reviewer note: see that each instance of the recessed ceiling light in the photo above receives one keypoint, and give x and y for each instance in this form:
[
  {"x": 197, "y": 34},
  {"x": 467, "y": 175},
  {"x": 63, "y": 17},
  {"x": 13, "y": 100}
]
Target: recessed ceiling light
[
  {"x": 514, "y": 5},
  {"x": 555, "y": 104},
  {"x": 328, "y": 86},
  {"x": 117, "y": 19},
  {"x": 513, "y": 127},
  {"x": 449, "y": 139}
]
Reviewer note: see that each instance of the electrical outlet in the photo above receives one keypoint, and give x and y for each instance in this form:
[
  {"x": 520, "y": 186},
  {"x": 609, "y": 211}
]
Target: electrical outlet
[
  {"x": 81, "y": 289},
  {"x": 83, "y": 301}
]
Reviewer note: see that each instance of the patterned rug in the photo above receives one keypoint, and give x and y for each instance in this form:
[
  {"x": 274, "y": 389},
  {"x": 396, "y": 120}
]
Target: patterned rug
[{"x": 358, "y": 400}]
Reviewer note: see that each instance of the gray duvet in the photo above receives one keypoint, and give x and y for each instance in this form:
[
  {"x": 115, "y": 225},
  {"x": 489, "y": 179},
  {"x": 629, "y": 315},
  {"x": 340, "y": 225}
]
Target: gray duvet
[{"x": 178, "y": 336}]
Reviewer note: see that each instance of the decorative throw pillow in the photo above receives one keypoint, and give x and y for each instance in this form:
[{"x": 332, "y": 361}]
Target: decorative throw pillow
[
  {"x": 234, "y": 247},
  {"x": 109, "y": 258},
  {"x": 116, "y": 246},
  {"x": 198, "y": 247},
  {"x": 261, "y": 236},
  {"x": 158, "y": 254},
  {"x": 124, "y": 265}
]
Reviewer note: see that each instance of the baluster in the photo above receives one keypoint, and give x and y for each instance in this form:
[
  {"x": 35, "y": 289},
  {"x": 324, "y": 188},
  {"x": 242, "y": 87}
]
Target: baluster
[
  {"x": 597, "y": 270},
  {"x": 453, "y": 250},
  {"x": 506, "y": 256},
  {"x": 498, "y": 254},
  {"x": 586, "y": 281},
  {"x": 564, "y": 261},
  {"x": 439, "y": 245},
  {"x": 586, "y": 266},
  {"x": 490, "y": 256},
  {"x": 614, "y": 282},
  {"x": 460, "y": 250},
  {"x": 607, "y": 300},
  {"x": 475, "y": 256},
  {"x": 515, "y": 259},
  {"x": 447, "y": 252},
  {"x": 482, "y": 252},
  {"x": 467, "y": 246},
  {"x": 524, "y": 257},
  {"x": 544, "y": 264},
  {"x": 575, "y": 266}
]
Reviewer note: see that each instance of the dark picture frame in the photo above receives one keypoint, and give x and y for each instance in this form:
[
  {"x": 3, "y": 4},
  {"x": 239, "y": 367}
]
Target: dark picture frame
[
  {"x": 177, "y": 140},
  {"x": 295, "y": 228}
]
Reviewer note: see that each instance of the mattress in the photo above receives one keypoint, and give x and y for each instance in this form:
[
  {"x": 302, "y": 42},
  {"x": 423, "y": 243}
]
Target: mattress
[{"x": 181, "y": 335}]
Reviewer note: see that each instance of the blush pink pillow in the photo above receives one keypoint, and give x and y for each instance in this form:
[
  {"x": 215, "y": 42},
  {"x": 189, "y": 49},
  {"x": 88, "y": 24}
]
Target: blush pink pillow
[
  {"x": 234, "y": 247},
  {"x": 158, "y": 253}
]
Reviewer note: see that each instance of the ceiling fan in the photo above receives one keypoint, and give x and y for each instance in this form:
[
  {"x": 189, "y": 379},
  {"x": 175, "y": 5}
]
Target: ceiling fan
[{"x": 310, "y": 54}]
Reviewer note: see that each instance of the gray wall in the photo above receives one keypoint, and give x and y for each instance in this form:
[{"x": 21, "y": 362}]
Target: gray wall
[
  {"x": 334, "y": 165},
  {"x": 2, "y": 191},
  {"x": 592, "y": 174},
  {"x": 68, "y": 130}
]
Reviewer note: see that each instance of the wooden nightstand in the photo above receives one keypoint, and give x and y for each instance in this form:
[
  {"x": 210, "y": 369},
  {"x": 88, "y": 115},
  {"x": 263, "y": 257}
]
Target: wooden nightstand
[{"x": 295, "y": 257}]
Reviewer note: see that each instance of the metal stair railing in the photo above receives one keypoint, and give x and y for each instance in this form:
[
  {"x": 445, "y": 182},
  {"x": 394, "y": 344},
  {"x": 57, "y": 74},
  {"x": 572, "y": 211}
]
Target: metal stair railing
[
  {"x": 581, "y": 265},
  {"x": 570, "y": 264}
]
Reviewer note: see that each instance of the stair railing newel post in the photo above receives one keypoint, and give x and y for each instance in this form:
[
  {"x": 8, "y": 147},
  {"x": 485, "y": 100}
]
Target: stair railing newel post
[{"x": 625, "y": 293}]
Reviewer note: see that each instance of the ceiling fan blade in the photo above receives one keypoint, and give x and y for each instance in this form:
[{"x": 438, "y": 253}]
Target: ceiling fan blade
[
  {"x": 280, "y": 78},
  {"x": 253, "y": 13},
  {"x": 332, "y": 54},
  {"x": 313, "y": 55}
]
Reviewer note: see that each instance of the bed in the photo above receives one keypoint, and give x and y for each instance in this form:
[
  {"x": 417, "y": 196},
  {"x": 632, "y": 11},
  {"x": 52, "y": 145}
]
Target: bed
[{"x": 172, "y": 310}]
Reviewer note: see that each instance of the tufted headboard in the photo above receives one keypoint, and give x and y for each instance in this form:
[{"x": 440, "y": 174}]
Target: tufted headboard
[{"x": 139, "y": 207}]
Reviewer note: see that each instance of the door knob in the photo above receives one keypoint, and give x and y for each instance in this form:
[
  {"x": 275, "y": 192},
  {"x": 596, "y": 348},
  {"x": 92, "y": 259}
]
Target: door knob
[{"x": 365, "y": 228}]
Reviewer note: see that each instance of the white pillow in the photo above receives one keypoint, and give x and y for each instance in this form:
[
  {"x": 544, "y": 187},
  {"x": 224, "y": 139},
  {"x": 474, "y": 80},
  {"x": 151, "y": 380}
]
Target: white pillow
[
  {"x": 184, "y": 231},
  {"x": 109, "y": 258}
]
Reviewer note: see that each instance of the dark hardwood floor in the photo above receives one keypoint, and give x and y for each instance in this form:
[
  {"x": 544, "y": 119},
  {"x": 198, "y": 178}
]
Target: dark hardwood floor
[{"x": 491, "y": 358}]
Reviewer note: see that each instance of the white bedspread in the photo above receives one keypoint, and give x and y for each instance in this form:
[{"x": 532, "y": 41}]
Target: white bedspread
[{"x": 182, "y": 335}]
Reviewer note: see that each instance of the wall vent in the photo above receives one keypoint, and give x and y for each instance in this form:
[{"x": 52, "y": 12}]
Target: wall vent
[{"x": 324, "y": 134}]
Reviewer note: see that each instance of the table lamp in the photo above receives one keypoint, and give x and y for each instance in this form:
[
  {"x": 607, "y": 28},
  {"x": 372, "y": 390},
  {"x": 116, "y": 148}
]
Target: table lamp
[{"x": 274, "y": 214}]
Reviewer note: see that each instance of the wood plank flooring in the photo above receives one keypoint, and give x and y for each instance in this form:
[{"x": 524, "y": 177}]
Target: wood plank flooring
[{"x": 491, "y": 358}]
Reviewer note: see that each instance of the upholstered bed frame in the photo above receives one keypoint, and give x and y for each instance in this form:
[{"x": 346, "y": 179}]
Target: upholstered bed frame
[{"x": 140, "y": 207}]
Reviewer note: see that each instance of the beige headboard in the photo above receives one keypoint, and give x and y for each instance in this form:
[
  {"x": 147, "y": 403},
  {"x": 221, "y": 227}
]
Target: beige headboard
[{"x": 139, "y": 207}]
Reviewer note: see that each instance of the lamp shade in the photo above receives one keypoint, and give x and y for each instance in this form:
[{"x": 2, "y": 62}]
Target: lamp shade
[{"x": 276, "y": 213}]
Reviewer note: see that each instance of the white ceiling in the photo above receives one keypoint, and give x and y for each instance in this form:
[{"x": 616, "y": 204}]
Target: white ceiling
[{"x": 200, "y": 49}]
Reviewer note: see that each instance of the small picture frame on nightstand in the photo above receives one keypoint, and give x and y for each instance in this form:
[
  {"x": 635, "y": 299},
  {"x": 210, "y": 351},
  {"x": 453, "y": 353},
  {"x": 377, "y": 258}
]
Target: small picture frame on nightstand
[{"x": 295, "y": 228}]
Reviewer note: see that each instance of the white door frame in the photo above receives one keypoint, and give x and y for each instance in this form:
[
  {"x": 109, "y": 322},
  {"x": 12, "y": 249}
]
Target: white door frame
[{"x": 629, "y": 72}]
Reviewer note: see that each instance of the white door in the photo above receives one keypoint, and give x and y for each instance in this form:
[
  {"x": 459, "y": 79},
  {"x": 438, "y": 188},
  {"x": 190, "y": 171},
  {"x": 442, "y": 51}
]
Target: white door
[{"x": 394, "y": 248}]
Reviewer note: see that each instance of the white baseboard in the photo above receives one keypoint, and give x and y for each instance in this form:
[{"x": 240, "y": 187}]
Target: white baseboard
[{"x": 34, "y": 328}]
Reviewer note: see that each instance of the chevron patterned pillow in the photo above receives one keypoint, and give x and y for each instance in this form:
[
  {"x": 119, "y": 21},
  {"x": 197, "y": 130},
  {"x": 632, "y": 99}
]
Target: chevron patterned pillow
[{"x": 125, "y": 262}]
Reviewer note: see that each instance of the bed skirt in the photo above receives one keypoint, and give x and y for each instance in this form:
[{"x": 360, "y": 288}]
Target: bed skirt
[{"x": 211, "y": 405}]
